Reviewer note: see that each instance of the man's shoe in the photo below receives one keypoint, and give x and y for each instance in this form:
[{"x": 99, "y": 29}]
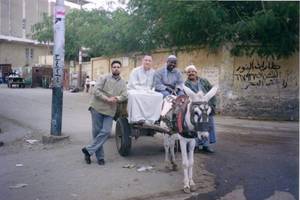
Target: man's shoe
[
  {"x": 87, "y": 156},
  {"x": 101, "y": 162},
  {"x": 208, "y": 150}
]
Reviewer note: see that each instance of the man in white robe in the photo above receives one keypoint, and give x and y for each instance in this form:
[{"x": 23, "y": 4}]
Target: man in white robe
[{"x": 144, "y": 104}]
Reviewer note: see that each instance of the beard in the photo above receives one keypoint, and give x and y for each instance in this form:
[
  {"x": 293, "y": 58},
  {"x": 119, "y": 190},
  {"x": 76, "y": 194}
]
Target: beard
[
  {"x": 170, "y": 67},
  {"x": 115, "y": 73},
  {"x": 192, "y": 77}
]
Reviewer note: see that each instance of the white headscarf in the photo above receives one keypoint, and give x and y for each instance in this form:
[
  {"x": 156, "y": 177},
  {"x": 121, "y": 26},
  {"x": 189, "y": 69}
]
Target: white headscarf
[{"x": 191, "y": 67}]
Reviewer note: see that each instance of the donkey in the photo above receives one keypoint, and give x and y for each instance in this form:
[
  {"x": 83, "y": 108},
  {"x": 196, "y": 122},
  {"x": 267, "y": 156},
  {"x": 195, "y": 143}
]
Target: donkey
[
  {"x": 195, "y": 125},
  {"x": 169, "y": 138}
]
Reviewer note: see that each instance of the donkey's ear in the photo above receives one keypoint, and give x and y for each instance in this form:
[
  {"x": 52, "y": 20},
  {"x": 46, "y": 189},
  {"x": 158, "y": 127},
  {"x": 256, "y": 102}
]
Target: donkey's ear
[
  {"x": 212, "y": 92},
  {"x": 188, "y": 91}
]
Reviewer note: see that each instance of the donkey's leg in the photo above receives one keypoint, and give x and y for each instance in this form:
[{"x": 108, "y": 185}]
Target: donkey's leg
[
  {"x": 167, "y": 147},
  {"x": 173, "y": 139},
  {"x": 192, "y": 144},
  {"x": 185, "y": 163}
]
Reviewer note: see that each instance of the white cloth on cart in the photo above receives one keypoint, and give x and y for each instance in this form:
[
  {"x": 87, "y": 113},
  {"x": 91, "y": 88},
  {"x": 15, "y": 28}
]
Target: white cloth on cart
[
  {"x": 144, "y": 105},
  {"x": 143, "y": 102}
]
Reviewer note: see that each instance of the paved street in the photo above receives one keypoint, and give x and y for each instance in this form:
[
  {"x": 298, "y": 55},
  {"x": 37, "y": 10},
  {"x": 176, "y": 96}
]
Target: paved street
[{"x": 254, "y": 159}]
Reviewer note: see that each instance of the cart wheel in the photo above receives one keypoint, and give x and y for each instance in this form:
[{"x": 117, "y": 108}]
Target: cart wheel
[{"x": 123, "y": 139}]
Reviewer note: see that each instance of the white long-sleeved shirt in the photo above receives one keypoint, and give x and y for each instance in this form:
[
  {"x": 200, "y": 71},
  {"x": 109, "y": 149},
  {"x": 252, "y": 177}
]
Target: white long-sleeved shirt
[{"x": 141, "y": 79}]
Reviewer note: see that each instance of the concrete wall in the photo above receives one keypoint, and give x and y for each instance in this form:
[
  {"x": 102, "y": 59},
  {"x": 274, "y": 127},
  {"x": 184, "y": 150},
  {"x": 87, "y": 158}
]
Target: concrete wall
[
  {"x": 264, "y": 88},
  {"x": 249, "y": 87},
  {"x": 5, "y": 17},
  {"x": 16, "y": 18},
  {"x": 101, "y": 66}
]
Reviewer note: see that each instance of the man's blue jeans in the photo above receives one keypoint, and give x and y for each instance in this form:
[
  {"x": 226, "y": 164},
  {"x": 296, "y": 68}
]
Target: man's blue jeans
[
  {"x": 101, "y": 128},
  {"x": 212, "y": 134}
]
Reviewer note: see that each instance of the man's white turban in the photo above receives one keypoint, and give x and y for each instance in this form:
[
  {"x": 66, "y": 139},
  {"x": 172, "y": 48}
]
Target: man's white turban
[
  {"x": 191, "y": 67},
  {"x": 172, "y": 57}
]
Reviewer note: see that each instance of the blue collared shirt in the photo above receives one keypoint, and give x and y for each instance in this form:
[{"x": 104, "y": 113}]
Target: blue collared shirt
[{"x": 163, "y": 77}]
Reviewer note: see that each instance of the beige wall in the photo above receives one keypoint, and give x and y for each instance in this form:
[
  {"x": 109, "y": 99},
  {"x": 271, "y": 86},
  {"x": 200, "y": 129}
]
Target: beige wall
[
  {"x": 87, "y": 69},
  {"x": 15, "y": 53},
  {"x": 101, "y": 66},
  {"x": 265, "y": 89}
]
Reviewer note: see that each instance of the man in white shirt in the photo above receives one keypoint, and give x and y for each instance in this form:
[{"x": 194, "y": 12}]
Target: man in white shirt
[
  {"x": 144, "y": 104},
  {"x": 87, "y": 84}
]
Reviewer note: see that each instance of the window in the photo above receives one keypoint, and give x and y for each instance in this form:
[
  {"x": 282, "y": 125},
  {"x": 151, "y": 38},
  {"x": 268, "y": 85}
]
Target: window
[
  {"x": 31, "y": 53},
  {"x": 27, "y": 53}
]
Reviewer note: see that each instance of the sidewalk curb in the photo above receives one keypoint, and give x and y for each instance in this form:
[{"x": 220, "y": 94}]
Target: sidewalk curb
[
  {"x": 50, "y": 139},
  {"x": 256, "y": 128}
]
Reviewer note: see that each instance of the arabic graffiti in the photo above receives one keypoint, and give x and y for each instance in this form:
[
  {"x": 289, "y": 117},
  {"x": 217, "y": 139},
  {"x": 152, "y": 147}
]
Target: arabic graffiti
[
  {"x": 260, "y": 74},
  {"x": 57, "y": 71}
]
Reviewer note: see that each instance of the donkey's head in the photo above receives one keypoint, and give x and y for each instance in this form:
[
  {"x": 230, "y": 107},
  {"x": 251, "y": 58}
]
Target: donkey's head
[
  {"x": 198, "y": 111},
  {"x": 167, "y": 104}
]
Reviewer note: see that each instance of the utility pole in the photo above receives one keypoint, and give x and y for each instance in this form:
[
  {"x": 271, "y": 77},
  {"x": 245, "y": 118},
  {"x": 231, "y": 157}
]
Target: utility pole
[
  {"x": 58, "y": 67},
  {"x": 79, "y": 78},
  {"x": 80, "y": 69}
]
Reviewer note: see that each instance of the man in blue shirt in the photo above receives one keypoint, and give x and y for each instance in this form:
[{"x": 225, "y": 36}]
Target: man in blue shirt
[{"x": 168, "y": 80}]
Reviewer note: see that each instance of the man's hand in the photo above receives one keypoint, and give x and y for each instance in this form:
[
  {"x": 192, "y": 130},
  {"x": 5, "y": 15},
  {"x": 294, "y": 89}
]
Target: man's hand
[
  {"x": 112, "y": 100},
  {"x": 169, "y": 90},
  {"x": 170, "y": 86}
]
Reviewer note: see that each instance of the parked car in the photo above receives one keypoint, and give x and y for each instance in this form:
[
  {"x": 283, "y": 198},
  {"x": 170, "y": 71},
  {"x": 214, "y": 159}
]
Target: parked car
[{"x": 18, "y": 81}]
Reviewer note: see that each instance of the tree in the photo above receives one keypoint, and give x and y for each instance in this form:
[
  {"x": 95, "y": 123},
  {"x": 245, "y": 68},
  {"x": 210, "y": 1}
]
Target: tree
[
  {"x": 264, "y": 28},
  {"x": 43, "y": 31},
  {"x": 251, "y": 27},
  {"x": 256, "y": 27}
]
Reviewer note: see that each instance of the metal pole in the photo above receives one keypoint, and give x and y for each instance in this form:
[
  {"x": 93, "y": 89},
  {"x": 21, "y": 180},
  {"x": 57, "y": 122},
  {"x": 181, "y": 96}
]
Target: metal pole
[
  {"x": 79, "y": 78},
  {"x": 79, "y": 70},
  {"x": 58, "y": 66}
]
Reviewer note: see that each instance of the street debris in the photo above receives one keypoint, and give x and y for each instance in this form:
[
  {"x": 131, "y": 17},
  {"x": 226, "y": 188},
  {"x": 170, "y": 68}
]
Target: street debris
[
  {"x": 19, "y": 185},
  {"x": 1, "y": 143},
  {"x": 129, "y": 166},
  {"x": 31, "y": 141},
  {"x": 19, "y": 165},
  {"x": 74, "y": 90},
  {"x": 144, "y": 168}
]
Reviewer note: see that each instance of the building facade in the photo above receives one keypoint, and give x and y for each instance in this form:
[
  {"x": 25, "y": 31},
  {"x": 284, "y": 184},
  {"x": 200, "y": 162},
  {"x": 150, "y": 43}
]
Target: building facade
[{"x": 17, "y": 48}]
